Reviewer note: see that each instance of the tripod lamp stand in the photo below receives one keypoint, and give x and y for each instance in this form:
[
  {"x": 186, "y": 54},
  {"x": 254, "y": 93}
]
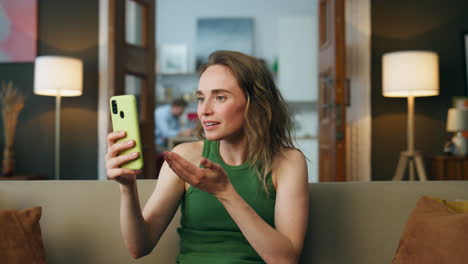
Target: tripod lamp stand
[
  {"x": 410, "y": 74},
  {"x": 58, "y": 76}
]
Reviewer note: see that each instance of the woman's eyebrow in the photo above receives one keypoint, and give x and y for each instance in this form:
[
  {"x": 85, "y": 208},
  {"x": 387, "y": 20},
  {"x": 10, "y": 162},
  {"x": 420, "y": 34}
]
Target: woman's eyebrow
[{"x": 214, "y": 91}]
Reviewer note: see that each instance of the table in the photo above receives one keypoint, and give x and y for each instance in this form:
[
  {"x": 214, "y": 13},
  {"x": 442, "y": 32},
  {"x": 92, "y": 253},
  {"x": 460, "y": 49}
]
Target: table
[{"x": 442, "y": 168}]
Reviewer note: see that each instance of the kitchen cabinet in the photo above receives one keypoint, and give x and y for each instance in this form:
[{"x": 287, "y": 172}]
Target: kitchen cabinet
[{"x": 297, "y": 60}]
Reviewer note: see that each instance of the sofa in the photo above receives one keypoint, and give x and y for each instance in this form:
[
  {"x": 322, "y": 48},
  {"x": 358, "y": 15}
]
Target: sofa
[{"x": 349, "y": 223}]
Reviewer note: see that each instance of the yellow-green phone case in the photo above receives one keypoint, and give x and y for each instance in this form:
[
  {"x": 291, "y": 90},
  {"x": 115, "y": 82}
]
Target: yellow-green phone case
[{"x": 125, "y": 118}]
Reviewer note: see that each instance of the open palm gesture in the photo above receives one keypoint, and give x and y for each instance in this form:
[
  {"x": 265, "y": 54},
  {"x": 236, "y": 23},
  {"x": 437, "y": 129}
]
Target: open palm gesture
[{"x": 212, "y": 178}]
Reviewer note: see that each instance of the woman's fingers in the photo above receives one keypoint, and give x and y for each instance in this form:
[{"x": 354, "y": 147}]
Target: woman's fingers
[
  {"x": 212, "y": 178},
  {"x": 209, "y": 164},
  {"x": 114, "y": 148},
  {"x": 117, "y": 148},
  {"x": 181, "y": 167},
  {"x": 123, "y": 176},
  {"x": 177, "y": 169},
  {"x": 119, "y": 172},
  {"x": 112, "y": 137},
  {"x": 116, "y": 162},
  {"x": 176, "y": 164}
]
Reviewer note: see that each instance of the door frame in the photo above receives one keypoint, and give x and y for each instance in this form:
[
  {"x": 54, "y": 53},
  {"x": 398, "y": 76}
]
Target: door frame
[
  {"x": 358, "y": 70},
  {"x": 110, "y": 40},
  {"x": 104, "y": 82}
]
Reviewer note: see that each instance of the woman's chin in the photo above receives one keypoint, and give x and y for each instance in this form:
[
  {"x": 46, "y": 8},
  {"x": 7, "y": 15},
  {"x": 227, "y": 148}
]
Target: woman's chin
[
  {"x": 216, "y": 136},
  {"x": 213, "y": 136}
]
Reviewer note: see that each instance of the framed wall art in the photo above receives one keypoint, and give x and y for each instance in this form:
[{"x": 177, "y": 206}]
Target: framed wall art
[
  {"x": 18, "y": 30},
  {"x": 173, "y": 58},
  {"x": 213, "y": 34}
]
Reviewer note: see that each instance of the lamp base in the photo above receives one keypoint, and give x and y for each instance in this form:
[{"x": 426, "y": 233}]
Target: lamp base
[
  {"x": 461, "y": 144},
  {"x": 410, "y": 160}
]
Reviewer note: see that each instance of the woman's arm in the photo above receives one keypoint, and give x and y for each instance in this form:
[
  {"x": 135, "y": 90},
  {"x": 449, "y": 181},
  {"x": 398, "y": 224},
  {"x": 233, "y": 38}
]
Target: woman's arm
[
  {"x": 142, "y": 230},
  {"x": 282, "y": 244},
  {"x": 164, "y": 201}
]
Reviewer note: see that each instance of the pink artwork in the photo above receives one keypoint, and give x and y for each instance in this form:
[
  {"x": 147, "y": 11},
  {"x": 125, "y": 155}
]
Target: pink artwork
[{"x": 18, "y": 30}]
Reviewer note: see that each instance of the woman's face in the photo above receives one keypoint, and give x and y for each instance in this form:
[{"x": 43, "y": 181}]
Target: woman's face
[{"x": 221, "y": 104}]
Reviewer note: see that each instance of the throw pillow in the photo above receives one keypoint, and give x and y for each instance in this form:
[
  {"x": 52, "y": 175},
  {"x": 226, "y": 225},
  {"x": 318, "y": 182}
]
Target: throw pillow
[
  {"x": 459, "y": 206},
  {"x": 21, "y": 239},
  {"x": 434, "y": 233}
]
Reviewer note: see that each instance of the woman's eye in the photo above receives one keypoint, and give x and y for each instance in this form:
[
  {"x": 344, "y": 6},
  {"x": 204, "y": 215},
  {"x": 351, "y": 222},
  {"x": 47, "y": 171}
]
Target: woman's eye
[
  {"x": 200, "y": 99},
  {"x": 220, "y": 98}
]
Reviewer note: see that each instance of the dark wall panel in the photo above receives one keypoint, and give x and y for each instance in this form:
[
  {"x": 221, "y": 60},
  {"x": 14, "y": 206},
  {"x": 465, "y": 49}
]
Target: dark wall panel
[
  {"x": 65, "y": 28},
  {"x": 415, "y": 25}
]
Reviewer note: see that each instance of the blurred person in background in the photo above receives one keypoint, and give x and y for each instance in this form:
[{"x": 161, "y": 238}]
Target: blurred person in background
[{"x": 167, "y": 122}]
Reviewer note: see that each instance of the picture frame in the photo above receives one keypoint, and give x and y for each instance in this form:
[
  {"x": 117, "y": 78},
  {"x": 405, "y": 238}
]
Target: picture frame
[
  {"x": 173, "y": 58},
  {"x": 18, "y": 31},
  {"x": 228, "y": 33}
]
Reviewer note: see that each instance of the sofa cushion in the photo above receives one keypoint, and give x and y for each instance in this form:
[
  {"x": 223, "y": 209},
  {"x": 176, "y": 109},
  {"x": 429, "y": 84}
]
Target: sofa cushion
[
  {"x": 436, "y": 232},
  {"x": 21, "y": 239}
]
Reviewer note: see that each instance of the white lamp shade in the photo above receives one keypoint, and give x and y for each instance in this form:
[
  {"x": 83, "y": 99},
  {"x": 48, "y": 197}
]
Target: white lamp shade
[
  {"x": 457, "y": 120},
  {"x": 54, "y": 75},
  {"x": 410, "y": 73}
]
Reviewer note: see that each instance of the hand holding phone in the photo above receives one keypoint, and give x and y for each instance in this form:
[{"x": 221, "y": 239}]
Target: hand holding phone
[{"x": 124, "y": 117}]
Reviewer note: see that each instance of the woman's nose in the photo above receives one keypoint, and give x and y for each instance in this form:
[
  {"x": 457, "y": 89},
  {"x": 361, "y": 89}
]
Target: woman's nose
[{"x": 206, "y": 108}]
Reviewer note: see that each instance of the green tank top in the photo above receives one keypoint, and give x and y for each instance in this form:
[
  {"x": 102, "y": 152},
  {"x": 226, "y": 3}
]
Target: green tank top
[{"x": 208, "y": 234}]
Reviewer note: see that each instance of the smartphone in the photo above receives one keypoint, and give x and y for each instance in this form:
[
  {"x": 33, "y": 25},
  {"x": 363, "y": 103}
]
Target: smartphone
[{"x": 124, "y": 117}]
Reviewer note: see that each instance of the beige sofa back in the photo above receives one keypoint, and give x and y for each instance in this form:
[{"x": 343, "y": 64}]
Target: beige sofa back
[{"x": 352, "y": 223}]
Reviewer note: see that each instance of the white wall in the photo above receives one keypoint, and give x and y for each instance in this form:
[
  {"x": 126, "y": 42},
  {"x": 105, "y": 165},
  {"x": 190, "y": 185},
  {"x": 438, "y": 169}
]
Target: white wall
[
  {"x": 176, "y": 24},
  {"x": 176, "y": 20}
]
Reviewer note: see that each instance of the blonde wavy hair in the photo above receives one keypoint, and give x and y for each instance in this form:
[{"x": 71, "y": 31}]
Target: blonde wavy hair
[{"x": 268, "y": 127}]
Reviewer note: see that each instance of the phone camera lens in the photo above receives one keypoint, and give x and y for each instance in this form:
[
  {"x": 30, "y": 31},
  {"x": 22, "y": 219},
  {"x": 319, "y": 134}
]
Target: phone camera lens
[
  {"x": 114, "y": 107},
  {"x": 122, "y": 114}
]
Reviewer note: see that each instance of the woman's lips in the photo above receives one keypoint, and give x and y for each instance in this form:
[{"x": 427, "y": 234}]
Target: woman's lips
[{"x": 211, "y": 125}]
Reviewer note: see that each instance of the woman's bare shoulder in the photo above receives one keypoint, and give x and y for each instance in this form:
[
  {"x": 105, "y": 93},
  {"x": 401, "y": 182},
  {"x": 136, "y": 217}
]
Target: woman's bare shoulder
[
  {"x": 290, "y": 161},
  {"x": 190, "y": 150},
  {"x": 288, "y": 156}
]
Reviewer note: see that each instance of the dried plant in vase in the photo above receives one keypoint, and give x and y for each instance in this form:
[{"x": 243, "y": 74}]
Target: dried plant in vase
[{"x": 12, "y": 103}]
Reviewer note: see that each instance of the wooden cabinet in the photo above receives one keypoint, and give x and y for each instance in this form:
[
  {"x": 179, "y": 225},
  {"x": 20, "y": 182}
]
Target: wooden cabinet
[{"x": 448, "y": 168}]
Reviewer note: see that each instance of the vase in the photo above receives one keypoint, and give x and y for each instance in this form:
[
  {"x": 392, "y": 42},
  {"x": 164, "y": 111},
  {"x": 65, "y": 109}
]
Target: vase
[{"x": 8, "y": 162}]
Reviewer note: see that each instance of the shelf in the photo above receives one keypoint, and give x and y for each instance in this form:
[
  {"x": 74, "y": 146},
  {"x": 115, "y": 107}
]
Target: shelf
[{"x": 307, "y": 137}]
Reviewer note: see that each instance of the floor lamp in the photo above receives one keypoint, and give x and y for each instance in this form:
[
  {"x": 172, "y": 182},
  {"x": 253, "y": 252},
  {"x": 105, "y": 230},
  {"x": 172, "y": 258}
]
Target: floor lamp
[
  {"x": 58, "y": 76},
  {"x": 410, "y": 74}
]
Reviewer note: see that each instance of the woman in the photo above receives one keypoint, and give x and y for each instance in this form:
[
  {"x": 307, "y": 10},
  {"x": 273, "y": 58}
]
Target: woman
[{"x": 243, "y": 189}]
